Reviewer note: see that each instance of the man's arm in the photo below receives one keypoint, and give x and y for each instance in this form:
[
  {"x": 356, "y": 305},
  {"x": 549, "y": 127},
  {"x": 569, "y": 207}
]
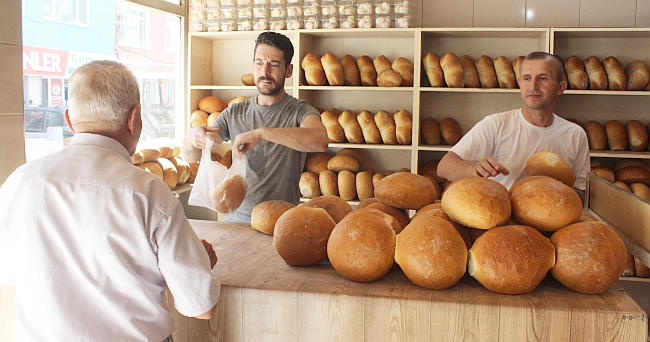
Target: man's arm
[
  {"x": 311, "y": 136},
  {"x": 452, "y": 167}
]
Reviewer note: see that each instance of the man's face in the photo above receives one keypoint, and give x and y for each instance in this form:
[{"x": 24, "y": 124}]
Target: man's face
[
  {"x": 539, "y": 85},
  {"x": 269, "y": 70}
]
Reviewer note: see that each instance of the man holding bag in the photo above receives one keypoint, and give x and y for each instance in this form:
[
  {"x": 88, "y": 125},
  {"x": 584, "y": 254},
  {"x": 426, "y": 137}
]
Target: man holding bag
[{"x": 273, "y": 129}]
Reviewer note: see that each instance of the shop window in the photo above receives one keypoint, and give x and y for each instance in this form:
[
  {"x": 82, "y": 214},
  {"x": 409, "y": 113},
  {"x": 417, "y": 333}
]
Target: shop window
[
  {"x": 132, "y": 25},
  {"x": 68, "y": 11}
]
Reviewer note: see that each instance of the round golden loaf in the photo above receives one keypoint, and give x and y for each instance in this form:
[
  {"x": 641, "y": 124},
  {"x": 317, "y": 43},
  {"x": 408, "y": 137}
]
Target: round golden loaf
[
  {"x": 550, "y": 164},
  {"x": 265, "y": 214},
  {"x": 477, "y": 202},
  {"x": 317, "y": 162},
  {"x": 229, "y": 195},
  {"x": 398, "y": 214},
  {"x": 340, "y": 162},
  {"x": 248, "y": 79},
  {"x": 405, "y": 190},
  {"x": 152, "y": 167},
  {"x": 335, "y": 206},
  {"x": 300, "y": 235},
  {"x": 389, "y": 78},
  {"x": 211, "y": 104}
]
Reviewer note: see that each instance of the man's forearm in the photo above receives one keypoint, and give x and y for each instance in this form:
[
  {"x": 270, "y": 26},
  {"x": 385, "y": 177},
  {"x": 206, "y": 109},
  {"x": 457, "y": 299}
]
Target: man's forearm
[{"x": 298, "y": 138}]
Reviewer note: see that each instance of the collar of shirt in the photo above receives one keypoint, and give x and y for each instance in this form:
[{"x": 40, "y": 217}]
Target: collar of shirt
[{"x": 101, "y": 141}]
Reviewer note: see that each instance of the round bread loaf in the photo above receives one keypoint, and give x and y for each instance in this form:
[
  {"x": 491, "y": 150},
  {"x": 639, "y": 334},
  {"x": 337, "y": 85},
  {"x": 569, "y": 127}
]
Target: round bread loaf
[
  {"x": 365, "y": 189},
  {"x": 638, "y": 75},
  {"x": 589, "y": 257},
  {"x": 550, "y": 164},
  {"x": 624, "y": 186},
  {"x": 366, "y": 202},
  {"x": 616, "y": 135},
  {"x": 389, "y": 78},
  {"x": 545, "y": 204},
  {"x": 248, "y": 79},
  {"x": 350, "y": 70},
  {"x": 309, "y": 185},
  {"x": 511, "y": 259},
  {"x": 317, "y": 162},
  {"x": 576, "y": 74},
  {"x": 152, "y": 167},
  {"x": 405, "y": 69},
  {"x": 369, "y": 128},
  {"x": 524, "y": 181},
  {"x": 329, "y": 183},
  {"x": 199, "y": 118},
  {"x": 477, "y": 202},
  {"x": 367, "y": 71},
  {"x": 637, "y": 135},
  {"x": 211, "y": 104},
  {"x": 237, "y": 99},
  {"x": 431, "y": 253},
  {"x": 450, "y": 130},
  {"x": 433, "y": 70},
  {"x": 486, "y": 72},
  {"x": 405, "y": 190},
  {"x": 333, "y": 69},
  {"x": 397, "y": 214},
  {"x": 351, "y": 152},
  {"x": 300, "y": 235},
  {"x": 347, "y": 185},
  {"x": 352, "y": 129},
  {"x": 470, "y": 72},
  {"x": 615, "y": 74},
  {"x": 313, "y": 68},
  {"x": 386, "y": 124},
  {"x": 596, "y": 73},
  {"x": 435, "y": 209},
  {"x": 596, "y": 135},
  {"x": 403, "y": 126},
  {"x": 633, "y": 174},
  {"x": 230, "y": 194},
  {"x": 505, "y": 73},
  {"x": 212, "y": 118},
  {"x": 335, "y": 206},
  {"x": 335, "y": 132},
  {"x": 640, "y": 190},
  {"x": 170, "y": 173},
  {"x": 604, "y": 172},
  {"x": 340, "y": 162},
  {"x": 265, "y": 214},
  {"x": 362, "y": 246},
  {"x": 431, "y": 132},
  {"x": 452, "y": 70}
]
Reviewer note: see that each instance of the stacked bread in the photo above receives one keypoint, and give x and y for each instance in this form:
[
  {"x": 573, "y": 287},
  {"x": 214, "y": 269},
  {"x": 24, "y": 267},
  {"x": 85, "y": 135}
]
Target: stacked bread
[
  {"x": 616, "y": 135},
  {"x": 209, "y": 109},
  {"x": 608, "y": 74},
  {"x": 630, "y": 174},
  {"x": 162, "y": 158},
  {"x": 382, "y": 127},
  {"x": 447, "y": 131},
  {"x": 464, "y": 71},
  {"x": 362, "y": 71}
]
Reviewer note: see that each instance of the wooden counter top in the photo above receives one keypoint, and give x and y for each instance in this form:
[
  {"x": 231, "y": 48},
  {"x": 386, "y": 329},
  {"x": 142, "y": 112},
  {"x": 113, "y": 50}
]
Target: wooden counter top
[{"x": 263, "y": 299}]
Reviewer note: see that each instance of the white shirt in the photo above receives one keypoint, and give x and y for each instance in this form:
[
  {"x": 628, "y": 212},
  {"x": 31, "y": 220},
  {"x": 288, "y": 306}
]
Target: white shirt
[
  {"x": 511, "y": 140},
  {"x": 92, "y": 242}
]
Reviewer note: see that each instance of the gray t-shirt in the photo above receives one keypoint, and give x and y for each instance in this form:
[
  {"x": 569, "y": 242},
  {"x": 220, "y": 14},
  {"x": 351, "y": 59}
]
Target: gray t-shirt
[{"x": 273, "y": 170}]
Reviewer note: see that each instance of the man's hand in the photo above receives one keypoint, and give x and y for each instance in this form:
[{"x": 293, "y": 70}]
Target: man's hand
[
  {"x": 211, "y": 253},
  {"x": 198, "y": 134},
  {"x": 489, "y": 167},
  {"x": 245, "y": 141}
]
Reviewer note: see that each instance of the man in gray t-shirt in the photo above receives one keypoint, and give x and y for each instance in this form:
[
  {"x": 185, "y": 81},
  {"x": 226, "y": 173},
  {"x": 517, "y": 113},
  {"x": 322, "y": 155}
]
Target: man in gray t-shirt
[{"x": 274, "y": 129}]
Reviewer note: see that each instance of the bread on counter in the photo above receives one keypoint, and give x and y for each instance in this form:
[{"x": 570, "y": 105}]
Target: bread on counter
[
  {"x": 477, "y": 202},
  {"x": 335, "y": 206},
  {"x": 405, "y": 190},
  {"x": 265, "y": 214},
  {"x": 300, "y": 235},
  {"x": 552, "y": 165}
]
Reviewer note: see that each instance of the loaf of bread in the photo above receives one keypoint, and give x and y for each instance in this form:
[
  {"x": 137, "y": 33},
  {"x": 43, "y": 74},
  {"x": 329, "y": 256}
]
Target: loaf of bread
[
  {"x": 405, "y": 190},
  {"x": 637, "y": 135},
  {"x": 638, "y": 75},
  {"x": 596, "y": 135},
  {"x": 313, "y": 68},
  {"x": 633, "y": 174},
  {"x": 328, "y": 182},
  {"x": 198, "y": 118},
  {"x": 433, "y": 70},
  {"x": 428, "y": 241},
  {"x": 335, "y": 206},
  {"x": 511, "y": 259},
  {"x": 215, "y": 156},
  {"x": 265, "y": 215},
  {"x": 351, "y": 70},
  {"x": 364, "y": 186},
  {"x": 226, "y": 160},
  {"x": 152, "y": 167},
  {"x": 333, "y": 70},
  {"x": 248, "y": 79},
  {"x": 625, "y": 162},
  {"x": 335, "y": 132},
  {"x": 182, "y": 167},
  {"x": 399, "y": 215},
  {"x": 403, "y": 126},
  {"x": 300, "y": 235},
  {"x": 377, "y": 177},
  {"x": 617, "y": 138},
  {"x": 628, "y": 271},
  {"x": 615, "y": 74},
  {"x": 430, "y": 168},
  {"x": 641, "y": 190},
  {"x": 347, "y": 185},
  {"x": 431, "y": 131},
  {"x": 362, "y": 246},
  {"x": 516, "y": 67},
  {"x": 505, "y": 73},
  {"x": 211, "y": 104},
  {"x": 212, "y": 118},
  {"x": 545, "y": 204},
  {"x": 590, "y": 257},
  {"x": 405, "y": 69},
  {"x": 317, "y": 162},
  {"x": 167, "y": 149},
  {"x": 230, "y": 194},
  {"x": 386, "y": 125},
  {"x": 477, "y": 202},
  {"x": 137, "y": 158},
  {"x": 351, "y": 127},
  {"x": 367, "y": 71},
  {"x": 366, "y": 202},
  {"x": 341, "y": 162},
  {"x": 194, "y": 168},
  {"x": 450, "y": 130},
  {"x": 452, "y": 70},
  {"x": 351, "y": 152},
  {"x": 486, "y": 72},
  {"x": 576, "y": 74},
  {"x": 596, "y": 73},
  {"x": 309, "y": 184},
  {"x": 470, "y": 72},
  {"x": 371, "y": 133},
  {"x": 552, "y": 165},
  {"x": 604, "y": 172},
  {"x": 381, "y": 64},
  {"x": 389, "y": 78}
]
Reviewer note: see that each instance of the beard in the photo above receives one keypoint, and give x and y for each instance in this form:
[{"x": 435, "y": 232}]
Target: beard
[{"x": 269, "y": 91}]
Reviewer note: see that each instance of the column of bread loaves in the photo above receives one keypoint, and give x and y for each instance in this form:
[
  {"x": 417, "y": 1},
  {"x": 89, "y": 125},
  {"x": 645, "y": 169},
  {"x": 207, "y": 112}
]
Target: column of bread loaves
[
  {"x": 466, "y": 72},
  {"x": 362, "y": 71},
  {"x": 607, "y": 74},
  {"x": 615, "y": 135},
  {"x": 382, "y": 127}
]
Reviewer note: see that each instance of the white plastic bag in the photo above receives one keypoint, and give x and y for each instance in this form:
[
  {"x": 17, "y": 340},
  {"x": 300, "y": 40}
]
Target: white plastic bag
[{"x": 216, "y": 187}]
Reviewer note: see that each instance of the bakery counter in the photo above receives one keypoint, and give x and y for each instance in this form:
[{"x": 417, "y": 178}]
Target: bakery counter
[{"x": 263, "y": 299}]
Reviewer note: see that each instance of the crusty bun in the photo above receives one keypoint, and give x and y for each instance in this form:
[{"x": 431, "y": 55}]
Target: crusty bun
[
  {"x": 398, "y": 214},
  {"x": 351, "y": 70},
  {"x": 615, "y": 74},
  {"x": 450, "y": 130},
  {"x": 351, "y": 152},
  {"x": 317, "y": 162},
  {"x": 596, "y": 73},
  {"x": 405, "y": 190},
  {"x": 230, "y": 194},
  {"x": 470, "y": 72},
  {"x": 328, "y": 182},
  {"x": 265, "y": 214},
  {"x": 633, "y": 174},
  {"x": 431, "y": 131},
  {"x": 577, "y": 76},
  {"x": 596, "y": 135},
  {"x": 604, "y": 172},
  {"x": 431, "y": 253},
  {"x": 616, "y": 135},
  {"x": 511, "y": 259},
  {"x": 300, "y": 235},
  {"x": 550, "y": 164},
  {"x": 641, "y": 190},
  {"x": 248, "y": 79},
  {"x": 212, "y": 118},
  {"x": 335, "y": 206},
  {"x": 211, "y": 104},
  {"x": 545, "y": 204},
  {"x": 137, "y": 158},
  {"x": 314, "y": 71},
  {"x": 353, "y": 133},
  {"x": 199, "y": 118},
  {"x": 347, "y": 185},
  {"x": 170, "y": 173},
  {"x": 369, "y": 128},
  {"x": 638, "y": 75},
  {"x": 637, "y": 135},
  {"x": 152, "y": 167},
  {"x": 452, "y": 70},
  {"x": 335, "y": 132},
  {"x": 589, "y": 257},
  {"x": 505, "y": 73},
  {"x": 377, "y": 177},
  {"x": 403, "y": 126},
  {"x": 486, "y": 72},
  {"x": 405, "y": 69},
  {"x": 381, "y": 64},
  {"x": 433, "y": 70},
  {"x": 309, "y": 185},
  {"x": 362, "y": 246},
  {"x": 341, "y": 162},
  {"x": 477, "y": 202},
  {"x": 386, "y": 125},
  {"x": 367, "y": 71},
  {"x": 366, "y": 202},
  {"x": 333, "y": 70},
  {"x": 389, "y": 78},
  {"x": 365, "y": 188},
  {"x": 516, "y": 67}
]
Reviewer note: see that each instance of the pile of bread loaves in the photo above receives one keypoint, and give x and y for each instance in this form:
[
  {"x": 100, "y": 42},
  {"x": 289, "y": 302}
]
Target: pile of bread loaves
[
  {"x": 209, "y": 109},
  {"x": 617, "y": 136},
  {"x": 363, "y": 71},
  {"x": 162, "y": 158},
  {"x": 366, "y": 127},
  {"x": 508, "y": 240},
  {"x": 458, "y": 72}
]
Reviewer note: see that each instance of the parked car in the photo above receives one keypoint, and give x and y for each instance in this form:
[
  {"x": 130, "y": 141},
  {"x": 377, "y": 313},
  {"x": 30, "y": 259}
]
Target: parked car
[{"x": 39, "y": 119}]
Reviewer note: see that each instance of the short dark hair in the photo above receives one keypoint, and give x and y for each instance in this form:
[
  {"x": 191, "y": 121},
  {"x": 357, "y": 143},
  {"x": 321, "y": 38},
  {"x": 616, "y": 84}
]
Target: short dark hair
[
  {"x": 278, "y": 40},
  {"x": 537, "y": 55}
]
